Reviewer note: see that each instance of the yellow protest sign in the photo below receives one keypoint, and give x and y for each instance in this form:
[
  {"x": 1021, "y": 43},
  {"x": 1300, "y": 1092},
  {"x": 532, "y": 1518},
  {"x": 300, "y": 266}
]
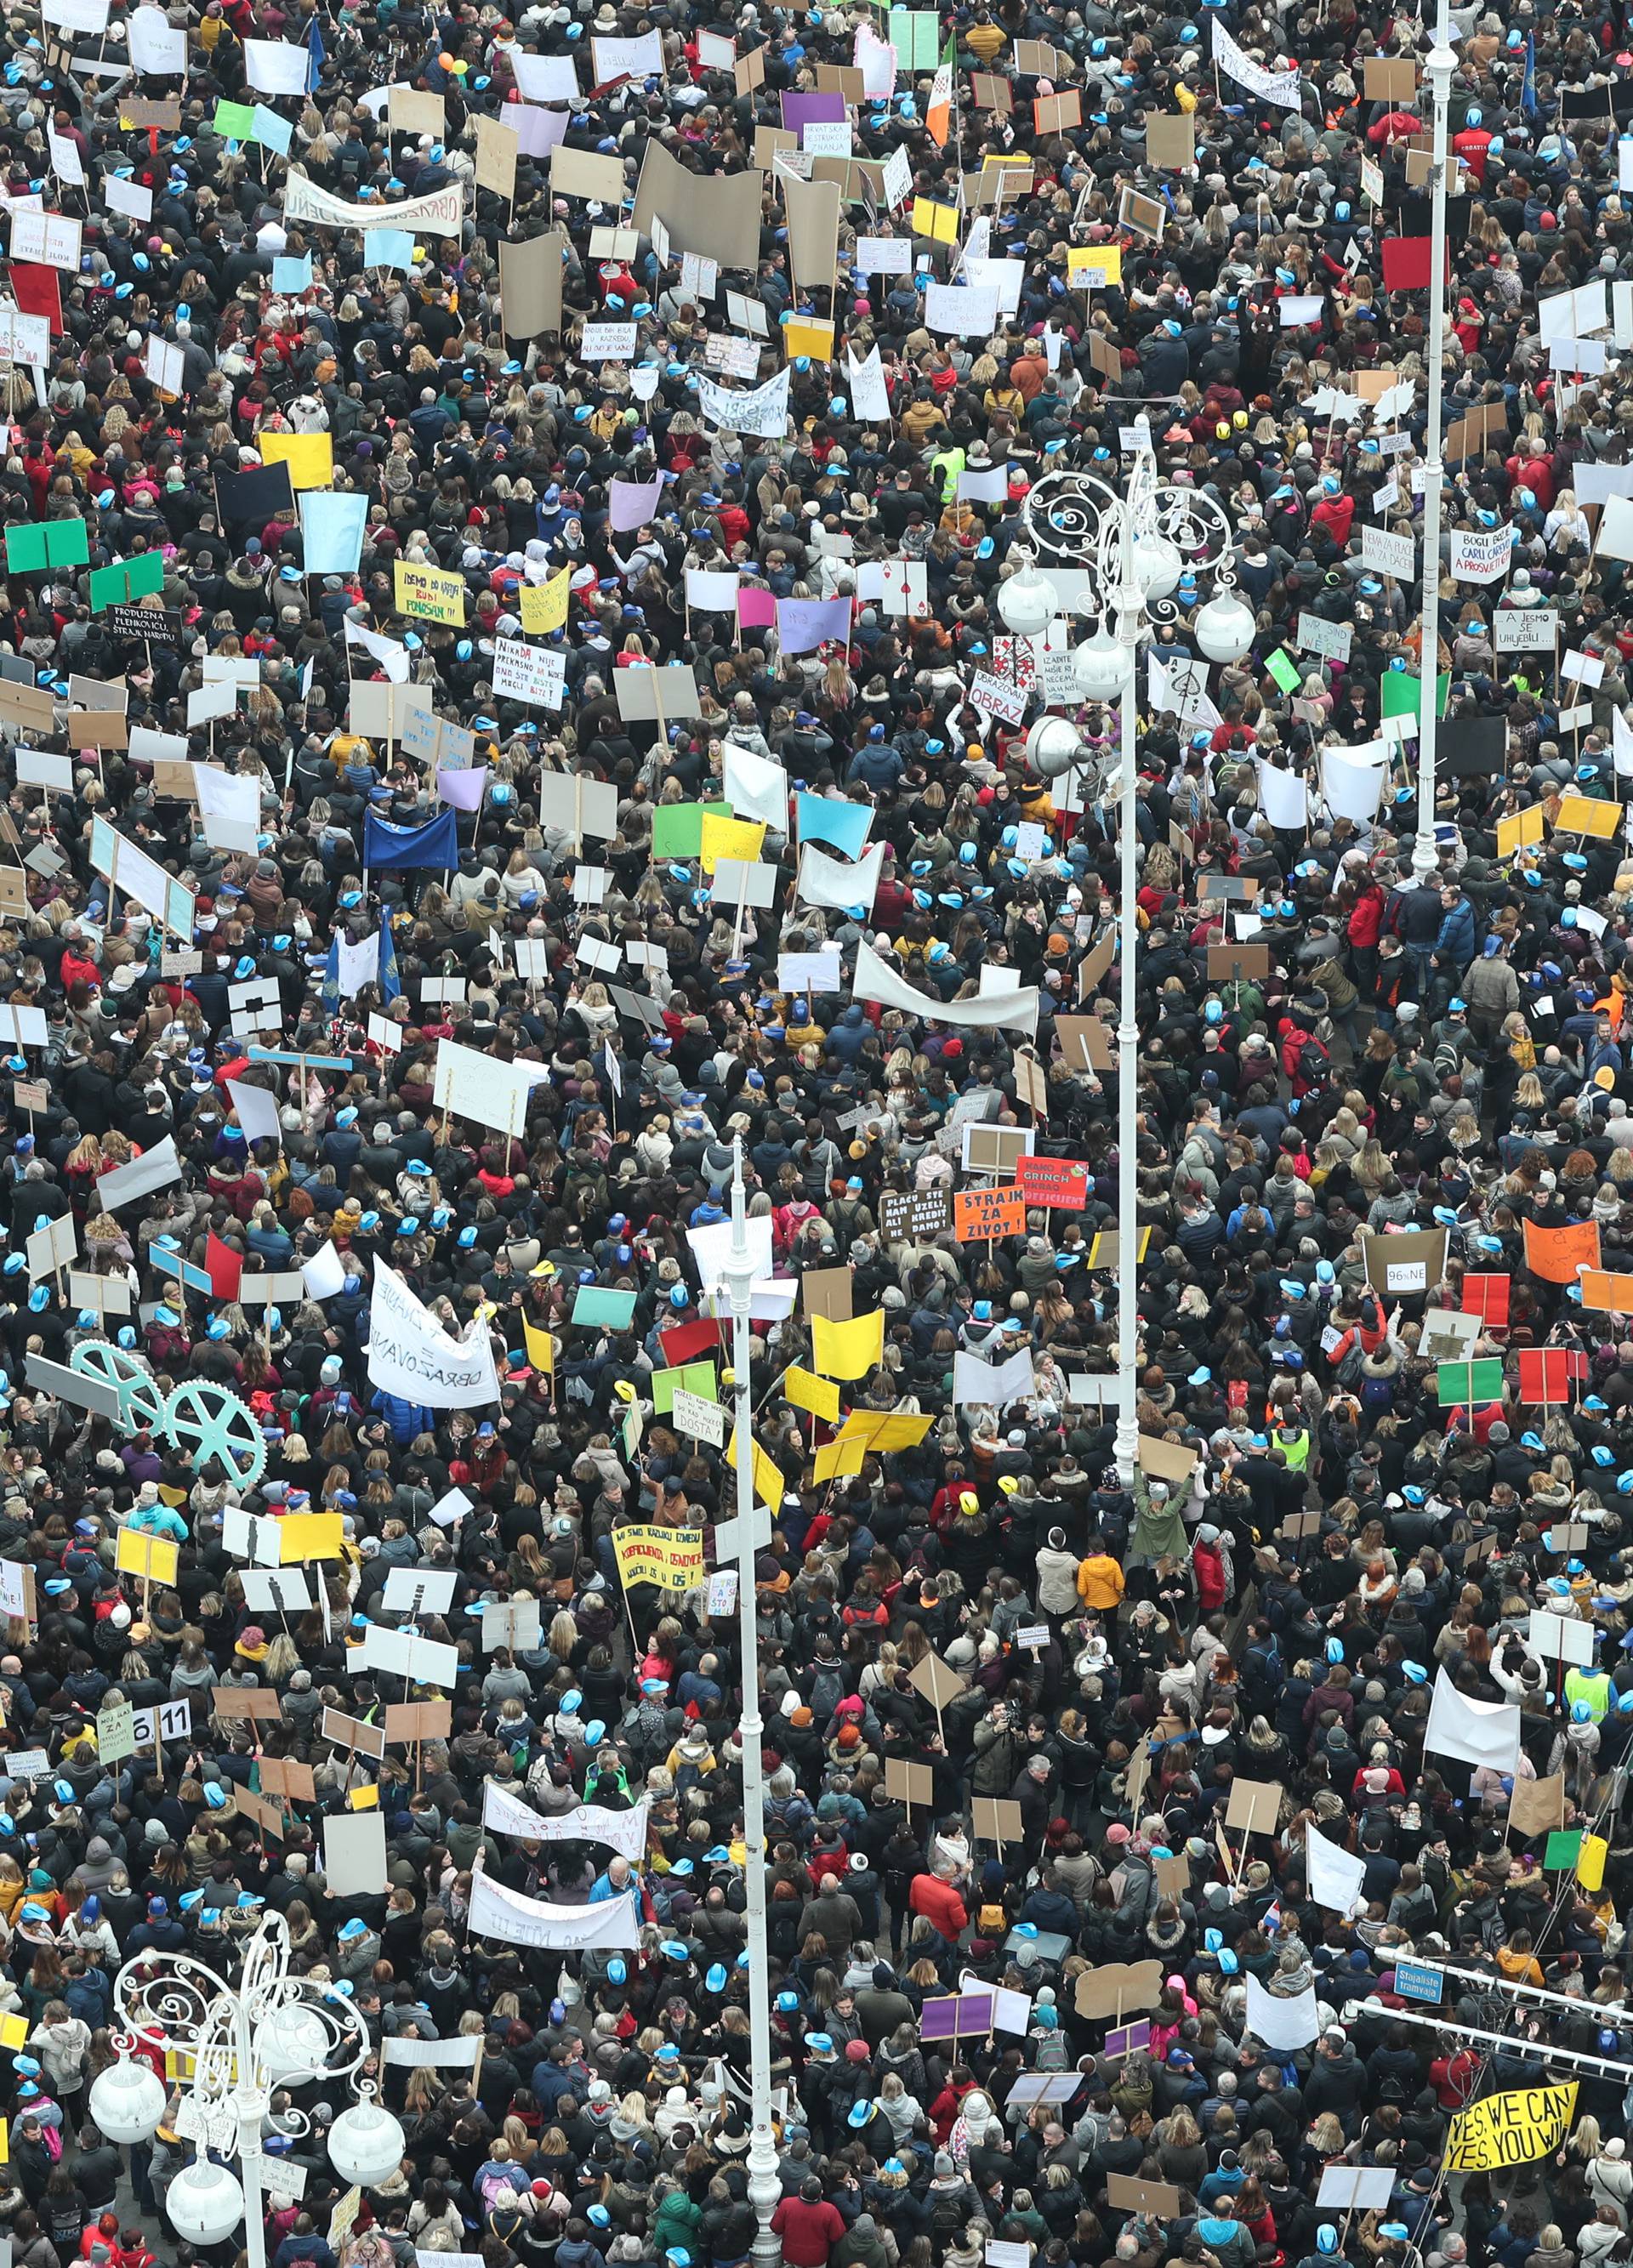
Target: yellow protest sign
[
  {"x": 14, "y": 2033},
  {"x": 1518, "y": 828},
  {"x": 730, "y": 838},
  {"x": 153, "y": 1557},
  {"x": 807, "y": 1391},
  {"x": 541, "y": 1349},
  {"x": 310, "y": 1535},
  {"x": 1512, "y": 2128},
  {"x": 429, "y": 593},
  {"x": 309, "y": 456},
  {"x": 5, "y": 2143},
  {"x": 1591, "y": 1861},
  {"x": 813, "y": 339},
  {"x": 173, "y": 1497},
  {"x": 769, "y": 1484},
  {"x": 1094, "y": 264},
  {"x": 545, "y": 606},
  {"x": 669, "y": 1557},
  {"x": 847, "y": 1350},
  {"x": 836, "y": 1459},
  {"x": 364, "y": 1799},
  {"x": 879, "y": 1432},
  {"x": 1585, "y": 814},
  {"x": 939, "y": 223}
]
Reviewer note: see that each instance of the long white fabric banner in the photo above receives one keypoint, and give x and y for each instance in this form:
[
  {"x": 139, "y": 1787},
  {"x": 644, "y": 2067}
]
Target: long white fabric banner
[
  {"x": 411, "y": 1354},
  {"x": 623, "y": 1831},
  {"x": 437, "y": 215},
  {"x": 496, "y": 1911}
]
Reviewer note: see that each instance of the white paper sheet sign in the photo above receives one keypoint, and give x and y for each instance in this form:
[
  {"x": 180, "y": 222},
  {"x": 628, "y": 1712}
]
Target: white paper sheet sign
[
  {"x": 1480, "y": 554},
  {"x": 608, "y": 342},
  {"x": 354, "y": 1854},
  {"x": 1389, "y": 555},
  {"x": 533, "y": 673},
  {"x": 49, "y": 239}
]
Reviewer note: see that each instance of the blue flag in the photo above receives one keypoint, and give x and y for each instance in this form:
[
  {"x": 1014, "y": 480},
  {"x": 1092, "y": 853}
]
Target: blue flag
[
  {"x": 315, "y": 47},
  {"x": 329, "y": 991},
  {"x": 434, "y": 844},
  {"x": 390, "y": 982},
  {"x": 1528, "y": 85}
]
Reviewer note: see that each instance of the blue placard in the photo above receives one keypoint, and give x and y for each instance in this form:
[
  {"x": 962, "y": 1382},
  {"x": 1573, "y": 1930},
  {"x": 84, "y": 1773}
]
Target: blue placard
[{"x": 1416, "y": 1982}]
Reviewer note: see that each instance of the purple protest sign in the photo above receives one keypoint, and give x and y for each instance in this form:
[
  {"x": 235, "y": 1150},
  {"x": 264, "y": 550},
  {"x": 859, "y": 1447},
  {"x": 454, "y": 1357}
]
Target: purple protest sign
[
  {"x": 462, "y": 789},
  {"x": 1128, "y": 2040},
  {"x": 633, "y": 503},
  {"x": 800, "y": 111},
  {"x": 804, "y": 625}
]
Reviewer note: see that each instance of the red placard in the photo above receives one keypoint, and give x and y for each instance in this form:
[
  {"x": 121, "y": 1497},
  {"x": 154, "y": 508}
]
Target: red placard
[
  {"x": 1406, "y": 263},
  {"x": 225, "y": 1267},
  {"x": 1062, "y": 1182},
  {"x": 38, "y": 292},
  {"x": 1545, "y": 1375},
  {"x": 687, "y": 1341},
  {"x": 1487, "y": 1297}
]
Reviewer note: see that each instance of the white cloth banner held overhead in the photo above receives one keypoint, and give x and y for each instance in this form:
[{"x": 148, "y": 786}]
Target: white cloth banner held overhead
[
  {"x": 826, "y": 881},
  {"x": 411, "y": 1354},
  {"x": 1477, "y": 1731},
  {"x": 623, "y": 1831},
  {"x": 1282, "y": 2024},
  {"x": 495, "y": 1911},
  {"x": 876, "y": 980},
  {"x": 437, "y": 215},
  {"x": 993, "y": 1384},
  {"x": 1279, "y": 88},
  {"x": 1333, "y": 1877}
]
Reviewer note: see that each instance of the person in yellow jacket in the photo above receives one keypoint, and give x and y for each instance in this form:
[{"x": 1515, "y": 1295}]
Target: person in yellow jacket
[{"x": 1100, "y": 1582}]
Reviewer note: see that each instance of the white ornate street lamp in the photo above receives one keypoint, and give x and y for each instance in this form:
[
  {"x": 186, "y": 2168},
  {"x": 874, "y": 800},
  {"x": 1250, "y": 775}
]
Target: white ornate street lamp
[
  {"x": 1132, "y": 548},
  {"x": 764, "y": 2183},
  {"x": 243, "y": 2042}
]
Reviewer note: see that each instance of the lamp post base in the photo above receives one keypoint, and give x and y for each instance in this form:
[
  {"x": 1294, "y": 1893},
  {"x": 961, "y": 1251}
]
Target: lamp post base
[
  {"x": 765, "y": 2195},
  {"x": 1125, "y": 1446}
]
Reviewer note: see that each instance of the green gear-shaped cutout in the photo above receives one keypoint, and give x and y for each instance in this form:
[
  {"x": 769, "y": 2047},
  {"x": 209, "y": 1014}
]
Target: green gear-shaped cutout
[
  {"x": 141, "y": 1397},
  {"x": 212, "y": 1421}
]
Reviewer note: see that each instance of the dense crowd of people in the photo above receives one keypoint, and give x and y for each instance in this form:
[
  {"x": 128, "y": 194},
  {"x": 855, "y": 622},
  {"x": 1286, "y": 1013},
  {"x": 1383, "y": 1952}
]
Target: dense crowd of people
[{"x": 505, "y": 717}]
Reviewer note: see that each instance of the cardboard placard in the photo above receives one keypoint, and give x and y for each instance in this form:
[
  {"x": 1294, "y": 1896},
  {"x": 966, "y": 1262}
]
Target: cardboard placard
[
  {"x": 1537, "y": 1807},
  {"x": 1170, "y": 141},
  {"x": 913, "y": 1784},
  {"x": 1253, "y": 1805},
  {"x": 1406, "y": 1265},
  {"x": 1390, "y": 79},
  {"x": 1119, "y": 1989},
  {"x": 997, "y": 1819},
  {"x": 827, "y": 1292},
  {"x": 937, "y": 1681}
]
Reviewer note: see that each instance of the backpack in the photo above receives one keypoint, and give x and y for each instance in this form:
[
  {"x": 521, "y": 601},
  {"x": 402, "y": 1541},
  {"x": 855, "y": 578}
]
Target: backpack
[
  {"x": 1352, "y": 1369},
  {"x": 1312, "y": 1061}
]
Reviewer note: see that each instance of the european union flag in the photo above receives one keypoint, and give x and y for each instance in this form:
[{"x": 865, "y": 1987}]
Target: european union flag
[{"x": 390, "y": 982}]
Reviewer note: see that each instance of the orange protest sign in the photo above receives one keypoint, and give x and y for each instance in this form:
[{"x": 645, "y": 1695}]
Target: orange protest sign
[
  {"x": 979, "y": 1213},
  {"x": 1556, "y": 1254},
  {"x": 1600, "y": 1289}
]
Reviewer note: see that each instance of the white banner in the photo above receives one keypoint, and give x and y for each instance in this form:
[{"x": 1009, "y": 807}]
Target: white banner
[
  {"x": 411, "y": 1354},
  {"x": 1480, "y": 554},
  {"x": 495, "y": 1911},
  {"x": 826, "y": 881},
  {"x": 1352, "y": 789},
  {"x": 869, "y": 395},
  {"x": 876, "y": 980},
  {"x": 1391, "y": 554},
  {"x": 993, "y": 1384},
  {"x": 756, "y": 788},
  {"x": 533, "y": 673},
  {"x": 1524, "y": 629},
  {"x": 764, "y": 411},
  {"x": 453, "y": 2055},
  {"x": 623, "y": 1831},
  {"x": 1282, "y": 2024},
  {"x": 275, "y": 67},
  {"x": 1477, "y": 1731},
  {"x": 437, "y": 215},
  {"x": 1279, "y": 88},
  {"x": 1335, "y": 1877}
]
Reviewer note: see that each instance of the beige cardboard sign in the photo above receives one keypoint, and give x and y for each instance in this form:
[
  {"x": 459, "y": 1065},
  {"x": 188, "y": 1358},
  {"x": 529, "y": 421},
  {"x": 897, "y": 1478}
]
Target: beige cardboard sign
[
  {"x": 813, "y": 210},
  {"x": 1119, "y": 1989},
  {"x": 530, "y": 284},
  {"x": 988, "y": 92},
  {"x": 1413, "y": 1261},
  {"x": 1253, "y": 1805},
  {"x": 411, "y": 111},
  {"x": 585, "y": 173},
  {"x": 1170, "y": 141},
  {"x": 841, "y": 78},
  {"x": 997, "y": 1819},
  {"x": 937, "y": 1679},
  {"x": 913, "y": 1784},
  {"x": 827, "y": 1292},
  {"x": 497, "y": 147},
  {"x": 717, "y": 216},
  {"x": 1537, "y": 1807},
  {"x": 1390, "y": 79},
  {"x": 1164, "y": 1461},
  {"x": 749, "y": 71}
]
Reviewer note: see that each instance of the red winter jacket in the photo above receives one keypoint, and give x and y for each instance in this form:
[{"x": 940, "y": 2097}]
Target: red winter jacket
[{"x": 940, "y": 1903}]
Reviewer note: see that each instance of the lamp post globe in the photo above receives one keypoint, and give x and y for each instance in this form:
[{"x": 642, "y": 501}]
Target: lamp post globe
[
  {"x": 128, "y": 2101},
  {"x": 1101, "y": 668},
  {"x": 366, "y": 2145},
  {"x": 1027, "y": 603},
  {"x": 205, "y": 2201},
  {"x": 1224, "y": 627}
]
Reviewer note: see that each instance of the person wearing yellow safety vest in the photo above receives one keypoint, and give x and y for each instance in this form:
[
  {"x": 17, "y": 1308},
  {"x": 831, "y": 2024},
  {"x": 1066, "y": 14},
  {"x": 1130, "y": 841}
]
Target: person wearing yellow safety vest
[{"x": 1592, "y": 1688}]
